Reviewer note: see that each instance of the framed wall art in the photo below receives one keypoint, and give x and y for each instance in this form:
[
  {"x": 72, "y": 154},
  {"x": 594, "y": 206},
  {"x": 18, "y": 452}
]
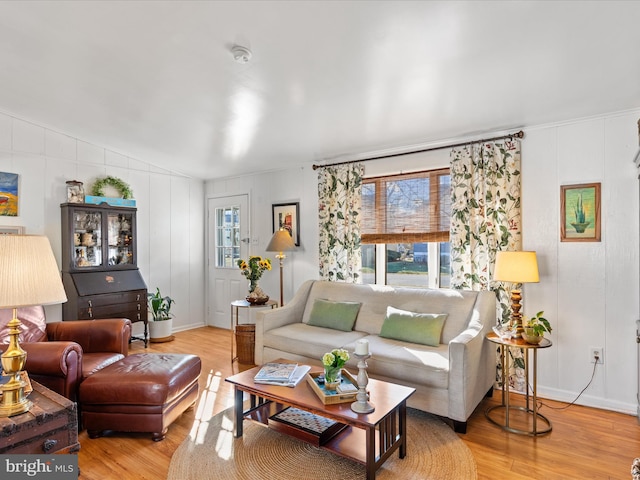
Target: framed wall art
[
  {"x": 9, "y": 194},
  {"x": 580, "y": 213},
  {"x": 287, "y": 216}
]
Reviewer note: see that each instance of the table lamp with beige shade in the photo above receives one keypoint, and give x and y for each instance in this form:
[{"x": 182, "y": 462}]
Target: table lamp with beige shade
[
  {"x": 29, "y": 276},
  {"x": 281, "y": 242},
  {"x": 516, "y": 267}
]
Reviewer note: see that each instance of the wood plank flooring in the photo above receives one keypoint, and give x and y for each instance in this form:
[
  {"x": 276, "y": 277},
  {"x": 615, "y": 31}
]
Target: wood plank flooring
[{"x": 585, "y": 443}]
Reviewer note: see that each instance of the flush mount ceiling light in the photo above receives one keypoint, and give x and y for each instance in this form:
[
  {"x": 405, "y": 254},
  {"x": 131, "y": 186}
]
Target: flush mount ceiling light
[{"x": 241, "y": 54}]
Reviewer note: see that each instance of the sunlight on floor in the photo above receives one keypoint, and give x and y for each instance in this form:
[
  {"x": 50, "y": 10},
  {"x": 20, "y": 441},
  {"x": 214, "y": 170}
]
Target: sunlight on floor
[
  {"x": 205, "y": 408},
  {"x": 205, "y": 412}
]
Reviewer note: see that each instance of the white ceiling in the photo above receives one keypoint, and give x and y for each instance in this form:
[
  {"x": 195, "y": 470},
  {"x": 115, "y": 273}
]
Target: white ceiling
[{"x": 157, "y": 81}]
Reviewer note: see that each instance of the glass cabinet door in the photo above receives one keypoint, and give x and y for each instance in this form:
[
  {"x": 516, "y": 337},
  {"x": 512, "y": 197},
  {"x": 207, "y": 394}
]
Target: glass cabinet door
[
  {"x": 87, "y": 238},
  {"x": 120, "y": 238}
]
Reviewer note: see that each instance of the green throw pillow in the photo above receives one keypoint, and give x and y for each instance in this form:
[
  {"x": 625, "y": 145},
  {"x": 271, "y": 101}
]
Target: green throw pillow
[
  {"x": 336, "y": 315},
  {"x": 423, "y": 328}
]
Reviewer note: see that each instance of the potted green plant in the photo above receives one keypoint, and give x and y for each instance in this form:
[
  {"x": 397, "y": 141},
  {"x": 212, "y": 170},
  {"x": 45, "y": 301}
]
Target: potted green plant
[
  {"x": 534, "y": 328},
  {"x": 161, "y": 326}
]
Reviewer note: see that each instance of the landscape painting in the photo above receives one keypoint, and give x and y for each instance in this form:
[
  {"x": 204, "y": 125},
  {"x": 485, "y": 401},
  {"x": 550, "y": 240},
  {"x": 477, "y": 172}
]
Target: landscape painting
[
  {"x": 580, "y": 213},
  {"x": 8, "y": 194}
]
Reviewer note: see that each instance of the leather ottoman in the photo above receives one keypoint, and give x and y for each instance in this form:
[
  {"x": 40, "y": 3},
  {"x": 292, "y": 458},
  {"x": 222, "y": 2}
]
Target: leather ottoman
[{"x": 143, "y": 392}]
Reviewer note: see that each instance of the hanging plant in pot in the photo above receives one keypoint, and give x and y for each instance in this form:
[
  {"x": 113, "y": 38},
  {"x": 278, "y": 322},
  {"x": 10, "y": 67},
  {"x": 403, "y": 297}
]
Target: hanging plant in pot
[
  {"x": 534, "y": 328},
  {"x": 161, "y": 326}
]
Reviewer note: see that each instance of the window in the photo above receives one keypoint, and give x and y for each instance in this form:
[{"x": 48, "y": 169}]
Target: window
[
  {"x": 405, "y": 229},
  {"x": 227, "y": 236}
]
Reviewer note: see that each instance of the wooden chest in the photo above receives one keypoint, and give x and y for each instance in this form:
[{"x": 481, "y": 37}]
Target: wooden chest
[{"x": 50, "y": 426}]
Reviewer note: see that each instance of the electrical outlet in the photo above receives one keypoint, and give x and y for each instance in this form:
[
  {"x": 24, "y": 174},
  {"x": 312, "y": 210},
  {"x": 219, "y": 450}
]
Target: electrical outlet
[{"x": 596, "y": 352}]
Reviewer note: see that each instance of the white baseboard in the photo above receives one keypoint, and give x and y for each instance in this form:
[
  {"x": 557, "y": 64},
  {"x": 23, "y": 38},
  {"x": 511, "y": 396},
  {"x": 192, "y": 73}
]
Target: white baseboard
[{"x": 587, "y": 400}]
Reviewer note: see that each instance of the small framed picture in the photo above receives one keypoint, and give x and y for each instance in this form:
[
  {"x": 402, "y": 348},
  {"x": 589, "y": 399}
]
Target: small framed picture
[
  {"x": 580, "y": 213},
  {"x": 287, "y": 216}
]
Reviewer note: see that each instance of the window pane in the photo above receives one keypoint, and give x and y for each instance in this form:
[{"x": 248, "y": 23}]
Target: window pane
[
  {"x": 227, "y": 236},
  {"x": 408, "y": 206},
  {"x": 445, "y": 265},
  {"x": 407, "y": 264},
  {"x": 445, "y": 201},
  {"x": 369, "y": 264},
  {"x": 368, "y": 217}
]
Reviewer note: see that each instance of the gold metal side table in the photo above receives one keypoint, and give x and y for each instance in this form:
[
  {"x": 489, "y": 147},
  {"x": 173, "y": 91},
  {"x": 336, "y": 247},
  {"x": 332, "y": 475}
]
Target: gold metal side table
[
  {"x": 531, "y": 407},
  {"x": 236, "y": 305}
]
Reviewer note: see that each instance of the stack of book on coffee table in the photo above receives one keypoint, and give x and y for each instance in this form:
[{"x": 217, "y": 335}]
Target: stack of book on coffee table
[{"x": 282, "y": 374}]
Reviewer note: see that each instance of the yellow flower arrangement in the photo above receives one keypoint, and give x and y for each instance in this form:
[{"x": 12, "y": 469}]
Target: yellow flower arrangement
[{"x": 253, "y": 269}]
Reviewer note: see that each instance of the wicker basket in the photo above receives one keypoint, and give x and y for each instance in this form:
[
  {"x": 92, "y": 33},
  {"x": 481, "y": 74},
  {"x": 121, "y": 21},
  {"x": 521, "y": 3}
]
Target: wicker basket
[{"x": 245, "y": 343}]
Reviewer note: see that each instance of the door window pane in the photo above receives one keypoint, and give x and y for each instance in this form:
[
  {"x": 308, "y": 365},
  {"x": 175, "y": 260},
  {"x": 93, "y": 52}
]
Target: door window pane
[{"x": 227, "y": 236}]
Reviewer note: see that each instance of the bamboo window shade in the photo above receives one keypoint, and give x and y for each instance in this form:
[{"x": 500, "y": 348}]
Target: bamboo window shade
[{"x": 406, "y": 208}]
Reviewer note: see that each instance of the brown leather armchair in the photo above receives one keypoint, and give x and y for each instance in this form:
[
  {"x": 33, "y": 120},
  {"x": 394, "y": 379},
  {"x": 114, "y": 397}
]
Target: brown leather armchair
[{"x": 62, "y": 354}]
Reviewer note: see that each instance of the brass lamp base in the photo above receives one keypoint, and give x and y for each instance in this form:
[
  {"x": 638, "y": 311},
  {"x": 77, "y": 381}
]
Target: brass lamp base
[
  {"x": 13, "y": 400},
  {"x": 13, "y": 360}
]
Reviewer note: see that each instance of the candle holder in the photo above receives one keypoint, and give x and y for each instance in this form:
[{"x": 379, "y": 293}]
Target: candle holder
[{"x": 362, "y": 405}]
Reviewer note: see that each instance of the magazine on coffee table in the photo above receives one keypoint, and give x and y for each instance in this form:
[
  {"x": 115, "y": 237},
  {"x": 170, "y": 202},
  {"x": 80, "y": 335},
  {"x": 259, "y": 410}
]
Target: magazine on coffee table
[{"x": 276, "y": 374}]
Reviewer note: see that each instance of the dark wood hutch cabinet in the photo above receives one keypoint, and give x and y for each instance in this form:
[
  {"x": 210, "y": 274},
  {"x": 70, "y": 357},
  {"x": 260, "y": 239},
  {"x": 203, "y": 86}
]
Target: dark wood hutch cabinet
[{"x": 99, "y": 264}]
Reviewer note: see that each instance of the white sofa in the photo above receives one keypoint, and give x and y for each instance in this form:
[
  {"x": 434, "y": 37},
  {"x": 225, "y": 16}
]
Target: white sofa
[{"x": 450, "y": 379}]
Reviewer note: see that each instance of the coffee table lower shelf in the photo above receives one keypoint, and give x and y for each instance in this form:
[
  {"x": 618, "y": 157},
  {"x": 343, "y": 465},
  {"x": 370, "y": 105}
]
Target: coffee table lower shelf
[
  {"x": 369, "y": 439},
  {"x": 348, "y": 442}
]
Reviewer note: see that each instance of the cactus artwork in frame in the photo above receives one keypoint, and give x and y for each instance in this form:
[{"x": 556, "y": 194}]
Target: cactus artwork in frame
[{"x": 580, "y": 213}]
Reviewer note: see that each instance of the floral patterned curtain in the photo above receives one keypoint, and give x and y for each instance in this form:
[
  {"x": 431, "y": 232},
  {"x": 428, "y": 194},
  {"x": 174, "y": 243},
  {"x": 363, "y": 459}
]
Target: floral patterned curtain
[
  {"x": 339, "y": 202},
  {"x": 485, "y": 219}
]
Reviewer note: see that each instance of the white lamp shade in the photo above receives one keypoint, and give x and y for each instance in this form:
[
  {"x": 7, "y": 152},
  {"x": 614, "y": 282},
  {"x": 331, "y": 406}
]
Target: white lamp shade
[
  {"x": 281, "y": 242},
  {"x": 516, "y": 267},
  {"x": 29, "y": 274}
]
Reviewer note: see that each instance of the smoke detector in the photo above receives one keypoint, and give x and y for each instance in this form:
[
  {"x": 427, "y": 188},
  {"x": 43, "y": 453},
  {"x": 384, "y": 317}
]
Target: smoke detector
[{"x": 241, "y": 54}]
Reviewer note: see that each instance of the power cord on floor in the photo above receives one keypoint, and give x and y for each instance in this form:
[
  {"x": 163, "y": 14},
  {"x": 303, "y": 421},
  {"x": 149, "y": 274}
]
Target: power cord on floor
[{"x": 593, "y": 374}]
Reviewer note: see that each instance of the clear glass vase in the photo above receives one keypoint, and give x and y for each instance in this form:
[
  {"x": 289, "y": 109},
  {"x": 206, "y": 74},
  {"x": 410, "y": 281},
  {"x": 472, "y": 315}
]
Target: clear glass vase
[{"x": 332, "y": 377}]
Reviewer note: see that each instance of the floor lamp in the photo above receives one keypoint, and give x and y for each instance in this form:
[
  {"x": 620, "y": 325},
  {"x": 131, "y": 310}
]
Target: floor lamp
[
  {"x": 29, "y": 276},
  {"x": 516, "y": 267},
  {"x": 281, "y": 242}
]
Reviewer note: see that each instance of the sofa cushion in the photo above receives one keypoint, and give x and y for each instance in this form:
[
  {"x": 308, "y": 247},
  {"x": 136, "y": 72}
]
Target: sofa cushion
[
  {"x": 423, "y": 328},
  {"x": 307, "y": 340},
  {"x": 335, "y": 315},
  {"x": 406, "y": 362},
  {"x": 33, "y": 328},
  {"x": 375, "y": 299}
]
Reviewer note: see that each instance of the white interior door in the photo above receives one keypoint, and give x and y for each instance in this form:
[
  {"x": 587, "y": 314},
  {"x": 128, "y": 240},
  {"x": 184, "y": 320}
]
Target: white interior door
[{"x": 228, "y": 240}]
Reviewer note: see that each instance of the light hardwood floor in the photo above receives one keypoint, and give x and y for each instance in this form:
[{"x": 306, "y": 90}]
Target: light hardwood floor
[{"x": 585, "y": 443}]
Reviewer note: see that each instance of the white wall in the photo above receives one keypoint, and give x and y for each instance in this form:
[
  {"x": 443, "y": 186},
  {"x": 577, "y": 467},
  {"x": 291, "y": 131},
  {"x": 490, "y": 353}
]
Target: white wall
[
  {"x": 264, "y": 189},
  {"x": 170, "y": 208},
  {"x": 589, "y": 291}
]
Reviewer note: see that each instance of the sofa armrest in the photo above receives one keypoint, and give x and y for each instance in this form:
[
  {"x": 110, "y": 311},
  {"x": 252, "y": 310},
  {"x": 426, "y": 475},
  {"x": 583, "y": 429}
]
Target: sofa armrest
[
  {"x": 471, "y": 363},
  {"x": 94, "y": 336},
  {"x": 277, "y": 317},
  {"x": 52, "y": 358},
  {"x": 57, "y": 365}
]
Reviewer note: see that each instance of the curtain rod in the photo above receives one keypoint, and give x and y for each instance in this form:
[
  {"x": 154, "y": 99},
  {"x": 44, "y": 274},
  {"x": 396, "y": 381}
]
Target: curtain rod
[{"x": 519, "y": 134}]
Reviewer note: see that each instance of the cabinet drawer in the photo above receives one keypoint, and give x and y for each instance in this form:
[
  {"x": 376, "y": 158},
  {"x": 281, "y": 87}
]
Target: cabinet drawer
[
  {"x": 128, "y": 297},
  {"x": 134, "y": 312},
  {"x": 58, "y": 441}
]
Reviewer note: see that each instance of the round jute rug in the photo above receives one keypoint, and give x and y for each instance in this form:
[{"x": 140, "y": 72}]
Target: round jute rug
[{"x": 434, "y": 451}]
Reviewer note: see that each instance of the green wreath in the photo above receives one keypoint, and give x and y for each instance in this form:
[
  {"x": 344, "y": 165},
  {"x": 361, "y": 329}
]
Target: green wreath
[{"x": 121, "y": 186}]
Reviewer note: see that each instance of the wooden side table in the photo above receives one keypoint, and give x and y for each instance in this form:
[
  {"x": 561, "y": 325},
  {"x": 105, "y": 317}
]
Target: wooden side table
[
  {"x": 50, "y": 425},
  {"x": 530, "y": 408},
  {"x": 236, "y": 305}
]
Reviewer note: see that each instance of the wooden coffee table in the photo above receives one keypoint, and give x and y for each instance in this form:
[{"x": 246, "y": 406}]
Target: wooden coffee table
[{"x": 368, "y": 439}]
